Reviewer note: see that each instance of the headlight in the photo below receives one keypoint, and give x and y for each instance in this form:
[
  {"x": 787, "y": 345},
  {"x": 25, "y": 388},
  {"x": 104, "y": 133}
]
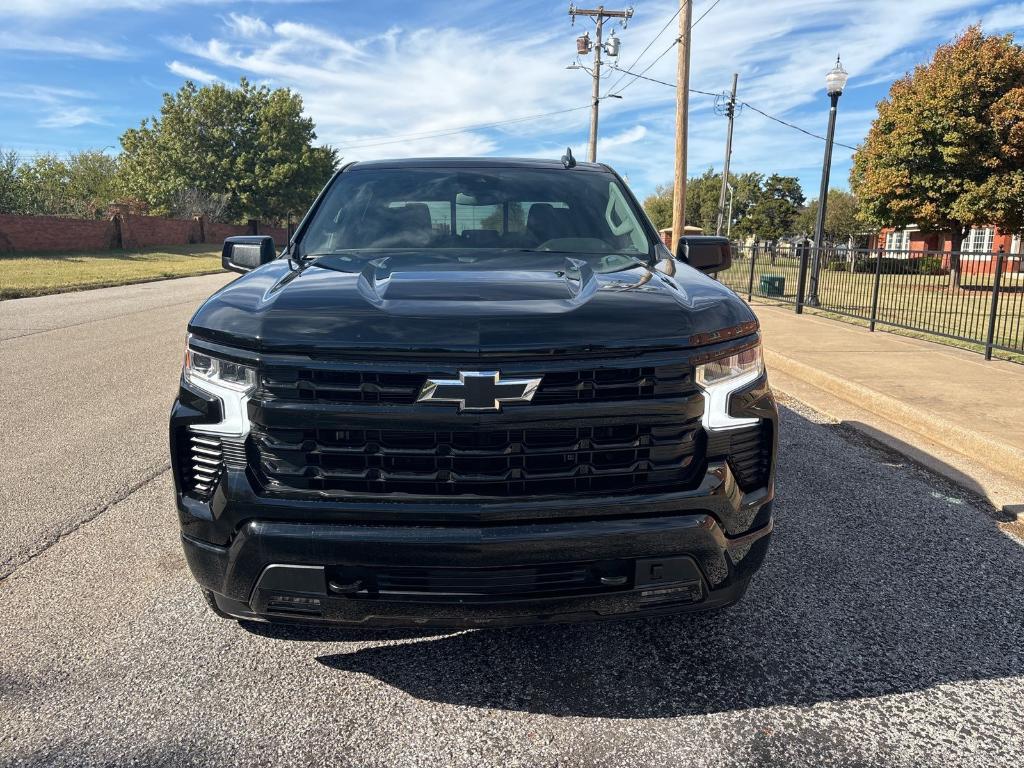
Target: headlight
[
  {"x": 202, "y": 368},
  {"x": 720, "y": 378},
  {"x": 231, "y": 383},
  {"x": 738, "y": 366}
]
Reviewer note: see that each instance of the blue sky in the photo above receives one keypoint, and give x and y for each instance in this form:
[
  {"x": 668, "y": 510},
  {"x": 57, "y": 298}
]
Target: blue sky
[{"x": 384, "y": 78}]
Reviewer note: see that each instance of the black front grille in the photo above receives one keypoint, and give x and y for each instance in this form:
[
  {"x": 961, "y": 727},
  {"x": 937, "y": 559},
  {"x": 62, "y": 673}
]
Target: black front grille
[
  {"x": 571, "y": 459},
  {"x": 584, "y": 384},
  {"x": 486, "y": 584}
]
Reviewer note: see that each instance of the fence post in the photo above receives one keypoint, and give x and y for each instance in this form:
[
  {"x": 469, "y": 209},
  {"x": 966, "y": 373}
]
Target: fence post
[
  {"x": 801, "y": 281},
  {"x": 991, "y": 335},
  {"x": 750, "y": 283},
  {"x": 874, "y": 291}
]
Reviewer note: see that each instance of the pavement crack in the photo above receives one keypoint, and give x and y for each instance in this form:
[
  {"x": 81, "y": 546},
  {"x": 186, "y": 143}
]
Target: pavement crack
[{"x": 9, "y": 566}]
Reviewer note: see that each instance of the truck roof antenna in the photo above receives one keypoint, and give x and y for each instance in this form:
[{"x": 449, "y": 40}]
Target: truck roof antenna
[{"x": 567, "y": 159}]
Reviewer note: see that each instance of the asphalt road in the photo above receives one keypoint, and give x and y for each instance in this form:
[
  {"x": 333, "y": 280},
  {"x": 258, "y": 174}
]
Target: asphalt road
[{"x": 886, "y": 628}]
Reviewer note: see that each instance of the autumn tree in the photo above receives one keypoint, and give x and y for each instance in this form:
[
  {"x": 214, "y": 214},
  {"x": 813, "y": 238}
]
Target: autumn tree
[
  {"x": 842, "y": 217},
  {"x": 946, "y": 151},
  {"x": 251, "y": 143}
]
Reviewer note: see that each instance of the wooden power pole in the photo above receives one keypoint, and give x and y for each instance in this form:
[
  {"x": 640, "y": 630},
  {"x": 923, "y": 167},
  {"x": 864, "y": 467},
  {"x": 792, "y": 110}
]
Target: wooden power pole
[
  {"x": 682, "y": 107},
  {"x": 730, "y": 112},
  {"x": 598, "y": 14}
]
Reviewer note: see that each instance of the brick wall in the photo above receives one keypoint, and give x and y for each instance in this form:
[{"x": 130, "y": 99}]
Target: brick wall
[
  {"x": 147, "y": 231},
  {"x": 280, "y": 234},
  {"x": 49, "y": 233},
  {"x": 217, "y": 232}
]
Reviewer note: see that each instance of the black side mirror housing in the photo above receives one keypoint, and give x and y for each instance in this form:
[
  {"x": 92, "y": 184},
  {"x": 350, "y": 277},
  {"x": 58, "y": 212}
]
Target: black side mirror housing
[
  {"x": 707, "y": 253},
  {"x": 244, "y": 253}
]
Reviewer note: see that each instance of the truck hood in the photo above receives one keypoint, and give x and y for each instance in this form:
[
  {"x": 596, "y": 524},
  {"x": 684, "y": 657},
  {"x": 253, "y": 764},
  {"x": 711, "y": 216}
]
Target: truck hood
[{"x": 468, "y": 302}]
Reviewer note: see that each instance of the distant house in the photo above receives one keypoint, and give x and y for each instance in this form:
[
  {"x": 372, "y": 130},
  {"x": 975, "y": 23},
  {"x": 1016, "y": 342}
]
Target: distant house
[{"x": 979, "y": 246}]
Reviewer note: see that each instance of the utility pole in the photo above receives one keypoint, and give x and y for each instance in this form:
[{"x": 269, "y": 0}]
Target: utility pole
[
  {"x": 682, "y": 107},
  {"x": 583, "y": 46},
  {"x": 730, "y": 112}
]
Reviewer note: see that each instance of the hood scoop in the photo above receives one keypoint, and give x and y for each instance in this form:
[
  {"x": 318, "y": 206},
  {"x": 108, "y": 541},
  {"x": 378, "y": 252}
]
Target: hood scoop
[{"x": 475, "y": 289}]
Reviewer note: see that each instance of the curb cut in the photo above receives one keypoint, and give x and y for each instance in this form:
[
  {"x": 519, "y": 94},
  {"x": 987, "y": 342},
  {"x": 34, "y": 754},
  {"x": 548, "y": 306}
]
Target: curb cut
[{"x": 998, "y": 456}]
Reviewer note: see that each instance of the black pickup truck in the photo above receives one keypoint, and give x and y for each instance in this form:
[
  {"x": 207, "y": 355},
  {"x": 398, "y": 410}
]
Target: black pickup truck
[{"x": 473, "y": 392}]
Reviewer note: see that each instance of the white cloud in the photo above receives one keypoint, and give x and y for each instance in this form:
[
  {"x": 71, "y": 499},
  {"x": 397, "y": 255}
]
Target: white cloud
[
  {"x": 54, "y": 107},
  {"x": 365, "y": 91},
  {"x": 192, "y": 73},
  {"x": 246, "y": 26},
  {"x": 629, "y": 136},
  {"x": 63, "y": 8},
  {"x": 70, "y": 117},
  {"x": 53, "y": 45}
]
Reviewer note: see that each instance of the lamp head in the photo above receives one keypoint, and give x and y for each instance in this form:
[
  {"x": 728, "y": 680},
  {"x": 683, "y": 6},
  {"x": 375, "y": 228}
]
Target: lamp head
[{"x": 835, "y": 80}]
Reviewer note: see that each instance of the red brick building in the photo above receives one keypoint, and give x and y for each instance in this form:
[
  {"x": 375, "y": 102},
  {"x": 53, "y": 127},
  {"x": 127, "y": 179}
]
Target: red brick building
[{"x": 979, "y": 246}]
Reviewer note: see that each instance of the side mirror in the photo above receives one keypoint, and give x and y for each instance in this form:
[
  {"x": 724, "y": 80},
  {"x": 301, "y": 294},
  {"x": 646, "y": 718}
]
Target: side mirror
[
  {"x": 246, "y": 252},
  {"x": 707, "y": 253}
]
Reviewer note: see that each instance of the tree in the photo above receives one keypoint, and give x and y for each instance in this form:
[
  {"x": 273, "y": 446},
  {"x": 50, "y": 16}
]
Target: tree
[
  {"x": 774, "y": 213},
  {"x": 12, "y": 191},
  {"x": 91, "y": 183},
  {"x": 842, "y": 217},
  {"x": 249, "y": 142},
  {"x": 946, "y": 151},
  {"x": 702, "y": 200},
  {"x": 81, "y": 186}
]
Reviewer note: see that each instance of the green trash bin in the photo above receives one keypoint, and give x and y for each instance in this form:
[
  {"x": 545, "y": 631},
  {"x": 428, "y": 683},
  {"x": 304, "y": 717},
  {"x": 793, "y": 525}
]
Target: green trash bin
[{"x": 773, "y": 285}]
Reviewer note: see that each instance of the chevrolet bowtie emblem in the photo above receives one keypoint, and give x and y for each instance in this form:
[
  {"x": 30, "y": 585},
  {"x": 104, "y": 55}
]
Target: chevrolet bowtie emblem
[{"x": 478, "y": 391}]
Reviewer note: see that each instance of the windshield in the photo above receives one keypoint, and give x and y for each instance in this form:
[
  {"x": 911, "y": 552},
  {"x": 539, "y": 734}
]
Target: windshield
[{"x": 520, "y": 209}]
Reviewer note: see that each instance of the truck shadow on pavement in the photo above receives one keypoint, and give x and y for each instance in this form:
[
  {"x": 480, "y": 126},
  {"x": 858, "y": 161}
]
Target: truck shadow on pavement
[{"x": 881, "y": 580}]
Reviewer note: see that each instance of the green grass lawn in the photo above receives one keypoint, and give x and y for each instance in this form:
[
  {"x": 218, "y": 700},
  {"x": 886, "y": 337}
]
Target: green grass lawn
[
  {"x": 924, "y": 303},
  {"x": 38, "y": 274}
]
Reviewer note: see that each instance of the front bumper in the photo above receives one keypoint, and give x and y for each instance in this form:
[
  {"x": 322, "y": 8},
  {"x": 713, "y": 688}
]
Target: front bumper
[{"x": 279, "y": 570}]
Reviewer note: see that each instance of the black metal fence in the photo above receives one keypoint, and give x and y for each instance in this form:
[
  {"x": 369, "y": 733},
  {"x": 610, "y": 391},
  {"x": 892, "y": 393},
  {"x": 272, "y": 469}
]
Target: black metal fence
[{"x": 977, "y": 298}]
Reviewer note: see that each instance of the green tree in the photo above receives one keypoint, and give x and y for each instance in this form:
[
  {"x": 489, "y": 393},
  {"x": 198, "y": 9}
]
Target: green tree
[
  {"x": 658, "y": 206},
  {"x": 91, "y": 183},
  {"x": 702, "y": 200},
  {"x": 773, "y": 214},
  {"x": 842, "y": 217},
  {"x": 12, "y": 190},
  {"x": 947, "y": 149},
  {"x": 45, "y": 183},
  {"x": 83, "y": 185},
  {"x": 249, "y": 142}
]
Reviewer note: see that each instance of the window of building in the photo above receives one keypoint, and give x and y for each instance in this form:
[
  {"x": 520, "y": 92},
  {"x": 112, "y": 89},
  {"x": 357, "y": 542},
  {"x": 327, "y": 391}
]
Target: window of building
[
  {"x": 898, "y": 240},
  {"x": 979, "y": 240}
]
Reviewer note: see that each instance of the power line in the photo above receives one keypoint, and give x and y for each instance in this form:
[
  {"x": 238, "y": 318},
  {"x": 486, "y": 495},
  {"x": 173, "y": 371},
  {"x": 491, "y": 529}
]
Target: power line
[
  {"x": 662, "y": 54},
  {"x": 646, "y": 47},
  {"x": 463, "y": 129},
  {"x": 794, "y": 127},
  {"x": 751, "y": 106},
  {"x": 709, "y": 10}
]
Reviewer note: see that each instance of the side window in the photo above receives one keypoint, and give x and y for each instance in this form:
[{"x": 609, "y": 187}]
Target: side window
[{"x": 621, "y": 221}]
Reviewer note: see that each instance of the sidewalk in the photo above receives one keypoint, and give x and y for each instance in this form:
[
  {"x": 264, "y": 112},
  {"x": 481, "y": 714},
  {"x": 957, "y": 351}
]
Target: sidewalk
[{"x": 950, "y": 397}]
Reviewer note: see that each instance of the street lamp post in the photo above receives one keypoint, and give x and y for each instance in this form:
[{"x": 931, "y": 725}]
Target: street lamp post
[{"x": 835, "y": 82}]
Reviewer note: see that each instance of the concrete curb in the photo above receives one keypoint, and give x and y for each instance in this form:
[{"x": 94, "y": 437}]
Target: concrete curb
[{"x": 998, "y": 456}]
